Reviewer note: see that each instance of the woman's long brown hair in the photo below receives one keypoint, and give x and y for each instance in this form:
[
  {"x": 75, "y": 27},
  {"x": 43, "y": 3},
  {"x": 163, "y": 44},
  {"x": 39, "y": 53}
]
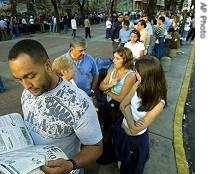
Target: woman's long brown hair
[{"x": 153, "y": 83}]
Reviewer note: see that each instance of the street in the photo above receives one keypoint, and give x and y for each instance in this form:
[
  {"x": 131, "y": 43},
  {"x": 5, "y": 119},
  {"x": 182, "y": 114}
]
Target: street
[{"x": 189, "y": 124}]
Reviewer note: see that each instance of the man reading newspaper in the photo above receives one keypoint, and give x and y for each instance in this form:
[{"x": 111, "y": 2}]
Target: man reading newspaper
[
  {"x": 18, "y": 154},
  {"x": 55, "y": 111}
]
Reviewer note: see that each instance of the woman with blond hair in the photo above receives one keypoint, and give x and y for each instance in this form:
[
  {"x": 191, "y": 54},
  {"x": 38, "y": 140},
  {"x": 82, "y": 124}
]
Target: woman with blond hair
[{"x": 64, "y": 68}]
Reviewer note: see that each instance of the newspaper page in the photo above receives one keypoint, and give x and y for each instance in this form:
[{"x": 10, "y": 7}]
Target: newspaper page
[
  {"x": 29, "y": 160},
  {"x": 13, "y": 133},
  {"x": 18, "y": 154}
]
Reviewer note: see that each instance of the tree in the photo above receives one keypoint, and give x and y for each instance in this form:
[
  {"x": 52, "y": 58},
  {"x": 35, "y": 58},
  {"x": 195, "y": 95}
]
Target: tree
[
  {"x": 55, "y": 4},
  {"x": 170, "y": 5},
  {"x": 192, "y": 5},
  {"x": 112, "y": 6},
  {"x": 81, "y": 7},
  {"x": 13, "y": 7},
  {"x": 151, "y": 5},
  {"x": 181, "y": 4},
  {"x": 109, "y": 7}
]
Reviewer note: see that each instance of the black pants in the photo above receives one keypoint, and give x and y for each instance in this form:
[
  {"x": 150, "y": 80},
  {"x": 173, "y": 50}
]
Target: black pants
[
  {"x": 73, "y": 32},
  {"x": 191, "y": 34},
  {"x": 112, "y": 113},
  {"x": 87, "y": 32}
]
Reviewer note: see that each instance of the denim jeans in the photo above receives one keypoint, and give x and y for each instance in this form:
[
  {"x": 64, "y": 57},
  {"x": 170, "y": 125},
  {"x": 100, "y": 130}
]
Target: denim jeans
[
  {"x": 159, "y": 48},
  {"x": 1, "y": 85}
]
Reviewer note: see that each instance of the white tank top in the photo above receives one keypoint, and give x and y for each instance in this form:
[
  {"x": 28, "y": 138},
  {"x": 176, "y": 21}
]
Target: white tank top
[{"x": 135, "y": 102}]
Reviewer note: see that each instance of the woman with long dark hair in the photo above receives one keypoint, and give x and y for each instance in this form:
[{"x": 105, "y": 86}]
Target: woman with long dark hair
[{"x": 140, "y": 108}]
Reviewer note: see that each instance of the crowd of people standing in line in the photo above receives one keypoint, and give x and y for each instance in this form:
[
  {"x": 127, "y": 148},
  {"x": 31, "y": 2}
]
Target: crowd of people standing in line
[
  {"x": 154, "y": 32},
  {"x": 12, "y": 26},
  {"x": 58, "y": 94},
  {"x": 134, "y": 88}
]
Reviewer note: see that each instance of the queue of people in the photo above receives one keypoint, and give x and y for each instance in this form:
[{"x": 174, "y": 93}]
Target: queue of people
[
  {"x": 154, "y": 31},
  {"x": 65, "y": 84},
  {"x": 13, "y": 26},
  {"x": 58, "y": 94}
]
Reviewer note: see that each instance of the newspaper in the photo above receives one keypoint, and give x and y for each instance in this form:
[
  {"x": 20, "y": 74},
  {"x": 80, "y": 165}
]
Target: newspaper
[{"x": 18, "y": 154}]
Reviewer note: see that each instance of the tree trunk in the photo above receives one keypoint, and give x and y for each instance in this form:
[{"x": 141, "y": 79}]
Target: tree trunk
[
  {"x": 112, "y": 7},
  {"x": 57, "y": 15},
  {"x": 181, "y": 5},
  {"x": 192, "y": 5},
  {"x": 81, "y": 7},
  {"x": 13, "y": 7},
  {"x": 150, "y": 8}
]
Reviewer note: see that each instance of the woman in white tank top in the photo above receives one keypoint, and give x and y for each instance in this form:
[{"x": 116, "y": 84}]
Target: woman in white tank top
[{"x": 140, "y": 108}]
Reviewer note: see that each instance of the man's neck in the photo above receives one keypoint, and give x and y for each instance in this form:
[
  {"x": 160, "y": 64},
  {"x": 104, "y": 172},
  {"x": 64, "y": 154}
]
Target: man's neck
[{"x": 55, "y": 82}]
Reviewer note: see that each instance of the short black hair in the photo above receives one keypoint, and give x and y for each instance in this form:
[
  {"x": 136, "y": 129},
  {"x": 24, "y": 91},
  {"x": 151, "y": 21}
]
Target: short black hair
[
  {"x": 126, "y": 22},
  {"x": 143, "y": 22},
  {"x": 30, "y": 47},
  {"x": 162, "y": 18}
]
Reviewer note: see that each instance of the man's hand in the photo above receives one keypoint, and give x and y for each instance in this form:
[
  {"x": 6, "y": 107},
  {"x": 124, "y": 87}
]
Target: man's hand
[{"x": 59, "y": 166}]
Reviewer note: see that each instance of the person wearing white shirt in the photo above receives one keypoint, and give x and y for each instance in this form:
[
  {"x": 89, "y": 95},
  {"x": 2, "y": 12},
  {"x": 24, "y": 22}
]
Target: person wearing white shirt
[
  {"x": 186, "y": 26},
  {"x": 55, "y": 111},
  {"x": 144, "y": 33},
  {"x": 24, "y": 23},
  {"x": 142, "y": 105},
  {"x": 135, "y": 45},
  {"x": 31, "y": 22},
  {"x": 73, "y": 26},
  {"x": 151, "y": 39},
  {"x": 54, "y": 20},
  {"x": 108, "y": 28}
]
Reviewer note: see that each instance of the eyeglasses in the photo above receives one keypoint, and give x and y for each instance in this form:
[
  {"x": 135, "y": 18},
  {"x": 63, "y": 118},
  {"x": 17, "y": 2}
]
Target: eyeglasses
[{"x": 82, "y": 50}]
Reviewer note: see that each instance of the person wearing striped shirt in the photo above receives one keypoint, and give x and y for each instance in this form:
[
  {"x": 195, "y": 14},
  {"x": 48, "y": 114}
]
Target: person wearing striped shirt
[{"x": 159, "y": 32}]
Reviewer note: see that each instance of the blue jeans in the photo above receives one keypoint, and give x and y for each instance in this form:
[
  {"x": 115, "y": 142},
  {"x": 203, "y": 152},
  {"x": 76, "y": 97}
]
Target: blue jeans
[
  {"x": 139, "y": 145},
  {"x": 54, "y": 28},
  {"x": 150, "y": 50},
  {"x": 65, "y": 28},
  {"x": 185, "y": 33},
  {"x": 1, "y": 85},
  {"x": 159, "y": 48}
]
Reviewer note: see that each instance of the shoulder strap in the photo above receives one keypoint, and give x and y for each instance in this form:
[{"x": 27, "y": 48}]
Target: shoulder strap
[
  {"x": 111, "y": 75},
  {"x": 126, "y": 74}
]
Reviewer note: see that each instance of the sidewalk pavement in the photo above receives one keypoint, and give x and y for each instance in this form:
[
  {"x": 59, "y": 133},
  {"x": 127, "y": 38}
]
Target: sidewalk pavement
[
  {"x": 167, "y": 154},
  {"x": 166, "y": 146}
]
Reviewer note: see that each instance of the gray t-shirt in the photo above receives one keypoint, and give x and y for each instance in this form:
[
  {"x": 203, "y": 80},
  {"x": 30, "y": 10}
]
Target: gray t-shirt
[{"x": 64, "y": 116}]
